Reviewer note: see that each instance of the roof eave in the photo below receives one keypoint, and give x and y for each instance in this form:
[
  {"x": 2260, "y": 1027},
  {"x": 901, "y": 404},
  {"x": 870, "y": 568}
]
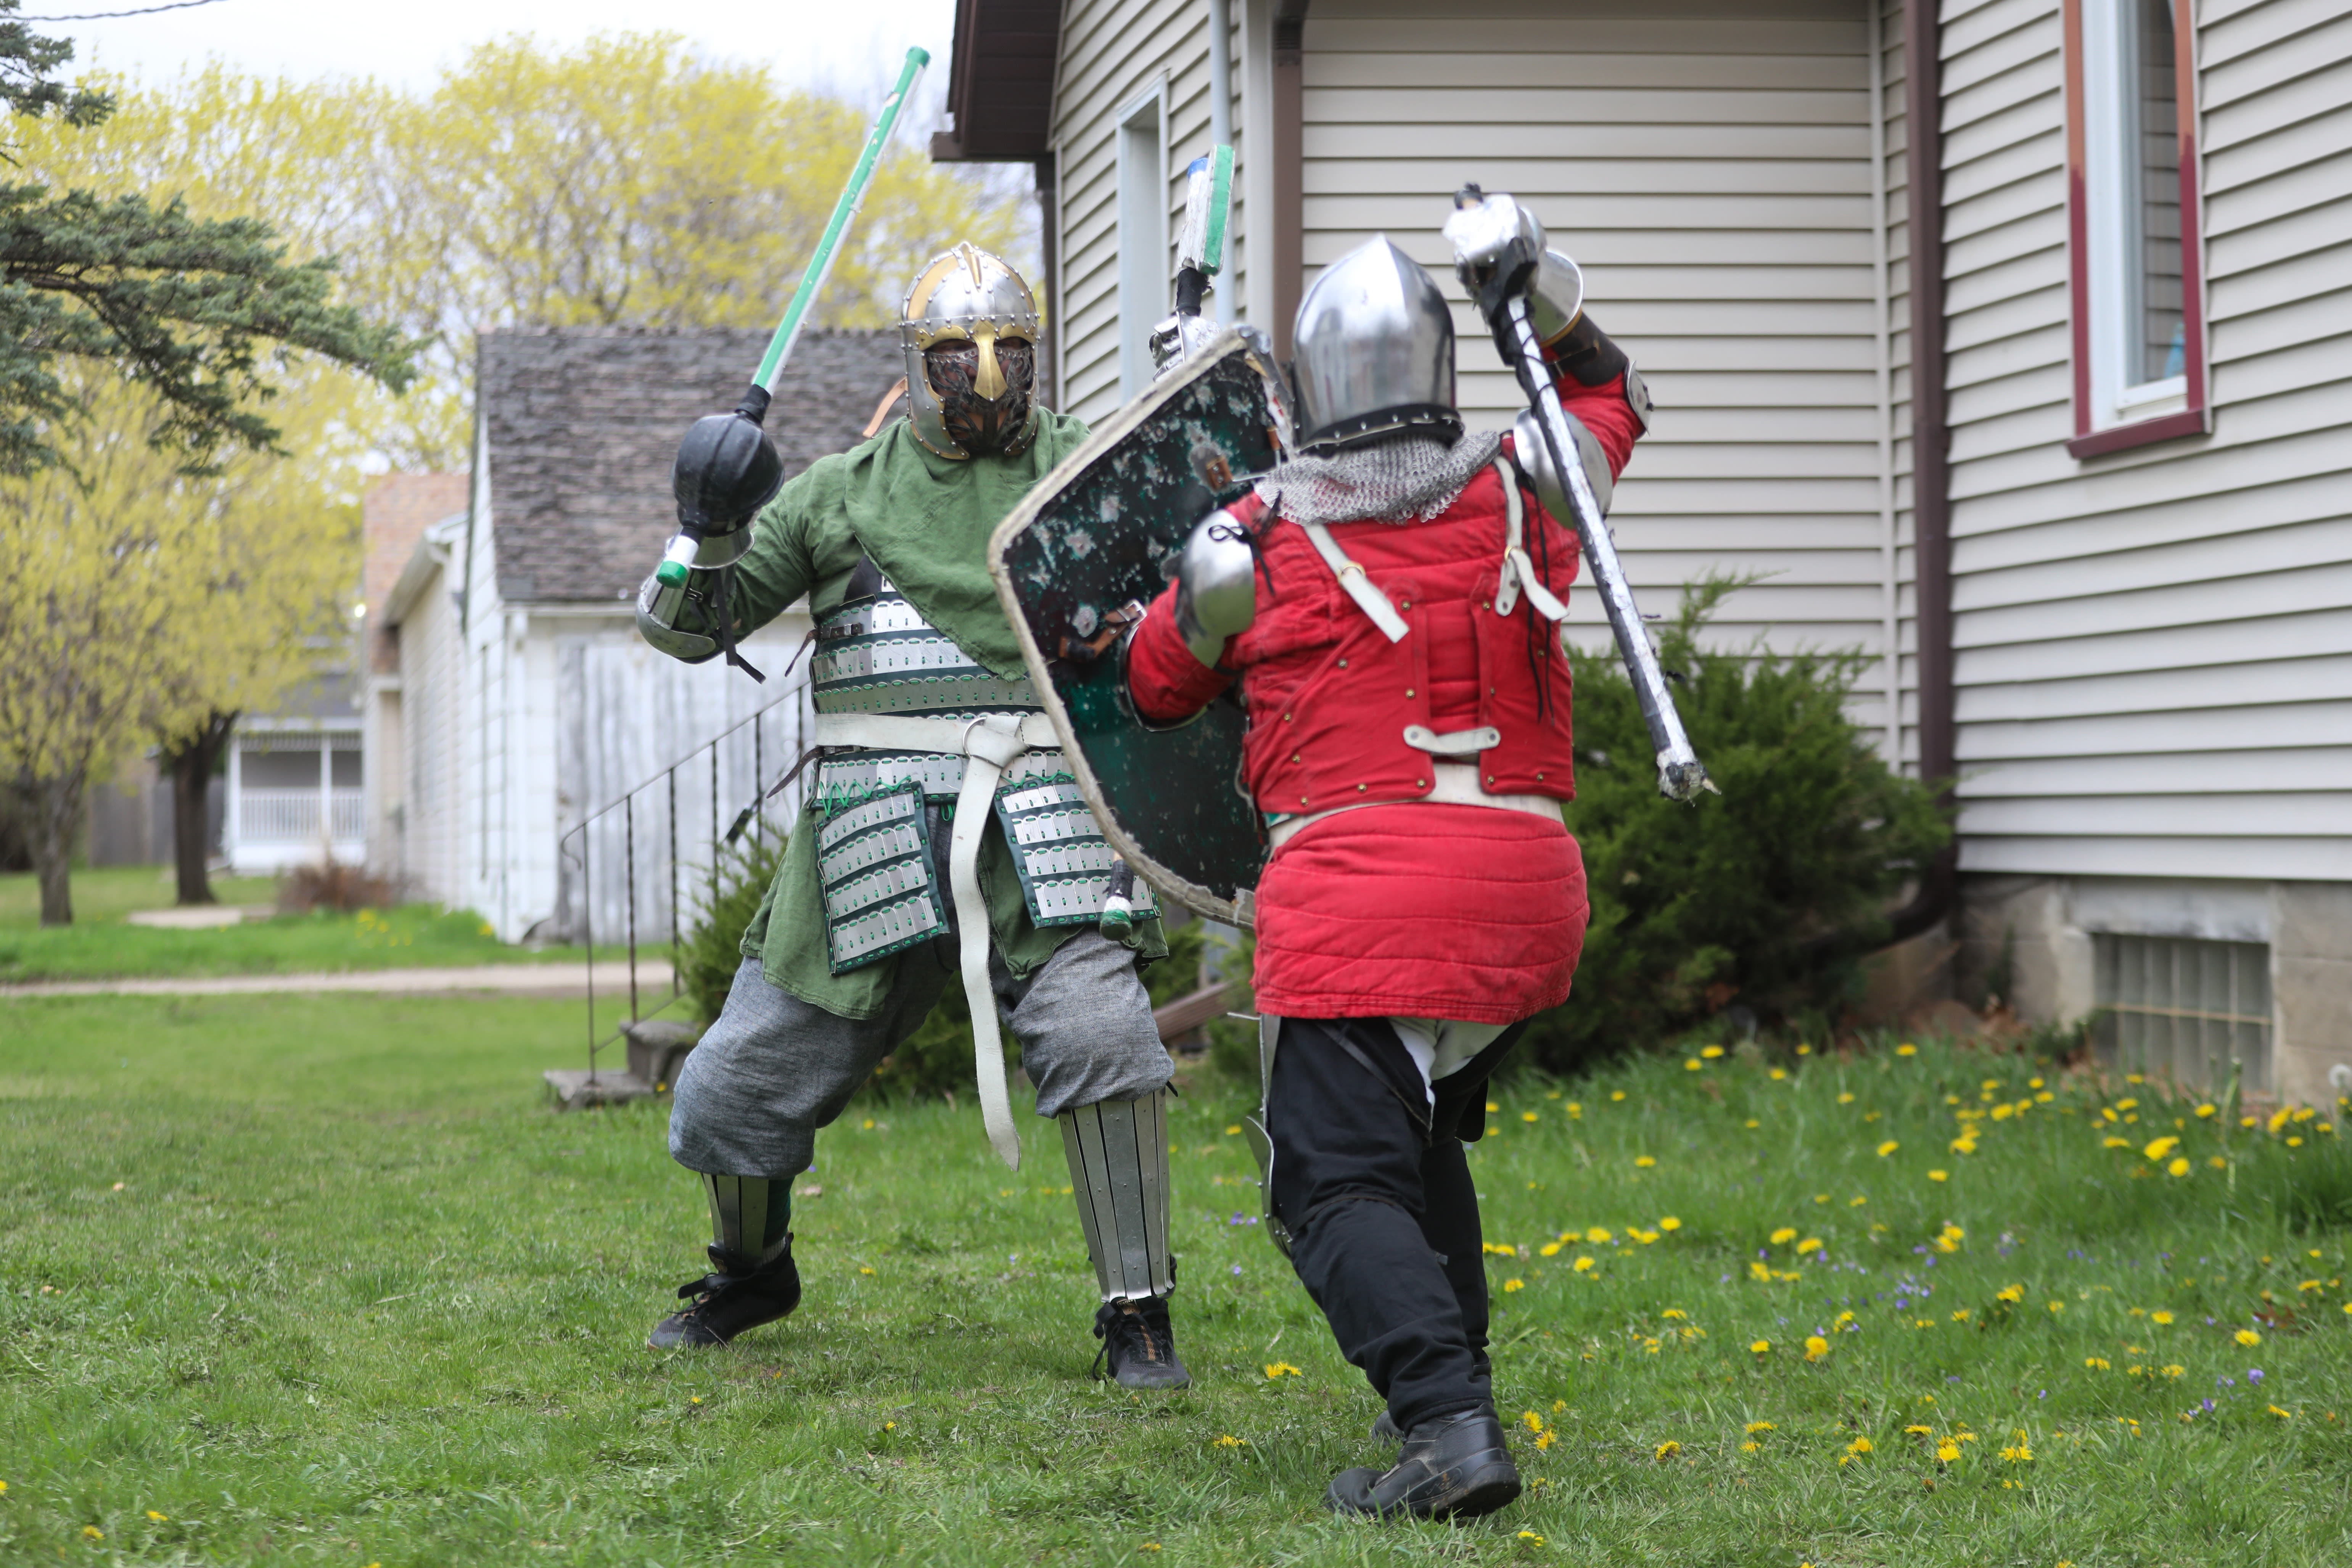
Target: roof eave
[{"x": 1000, "y": 82}]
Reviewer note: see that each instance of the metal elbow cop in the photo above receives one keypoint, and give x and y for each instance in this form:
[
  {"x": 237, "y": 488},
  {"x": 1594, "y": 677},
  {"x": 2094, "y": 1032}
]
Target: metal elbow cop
[{"x": 1217, "y": 583}]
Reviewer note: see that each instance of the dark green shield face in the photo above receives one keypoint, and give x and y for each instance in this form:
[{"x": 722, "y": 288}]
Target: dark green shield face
[{"x": 1102, "y": 534}]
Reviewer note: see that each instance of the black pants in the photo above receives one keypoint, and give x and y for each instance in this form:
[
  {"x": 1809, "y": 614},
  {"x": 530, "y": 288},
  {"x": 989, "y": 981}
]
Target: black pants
[{"x": 1376, "y": 1194}]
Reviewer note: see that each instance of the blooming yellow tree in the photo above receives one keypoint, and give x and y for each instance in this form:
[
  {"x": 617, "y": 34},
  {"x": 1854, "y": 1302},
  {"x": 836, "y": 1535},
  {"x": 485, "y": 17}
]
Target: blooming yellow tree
[{"x": 138, "y": 601}]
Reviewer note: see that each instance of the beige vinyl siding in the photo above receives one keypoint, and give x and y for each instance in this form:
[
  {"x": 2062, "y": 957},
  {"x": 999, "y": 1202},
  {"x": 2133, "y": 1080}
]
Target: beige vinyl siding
[
  {"x": 1112, "y": 51},
  {"x": 2154, "y": 666},
  {"x": 1708, "y": 162}
]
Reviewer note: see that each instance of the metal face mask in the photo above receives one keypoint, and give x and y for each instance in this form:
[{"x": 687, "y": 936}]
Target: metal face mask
[{"x": 969, "y": 334}]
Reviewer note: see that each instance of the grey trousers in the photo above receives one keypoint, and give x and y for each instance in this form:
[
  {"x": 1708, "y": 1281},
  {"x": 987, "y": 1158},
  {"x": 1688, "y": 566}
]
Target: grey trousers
[{"x": 774, "y": 1069}]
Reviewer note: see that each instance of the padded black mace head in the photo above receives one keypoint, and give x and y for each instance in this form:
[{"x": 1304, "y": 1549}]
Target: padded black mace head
[{"x": 726, "y": 468}]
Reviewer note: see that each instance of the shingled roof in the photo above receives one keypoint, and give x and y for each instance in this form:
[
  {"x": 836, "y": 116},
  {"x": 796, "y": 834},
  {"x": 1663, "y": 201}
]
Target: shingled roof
[{"x": 582, "y": 423}]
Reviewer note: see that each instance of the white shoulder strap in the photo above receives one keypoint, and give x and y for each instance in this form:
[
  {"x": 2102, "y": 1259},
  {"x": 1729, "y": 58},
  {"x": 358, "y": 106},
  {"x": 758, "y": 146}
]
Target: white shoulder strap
[
  {"x": 1519, "y": 571},
  {"x": 1369, "y": 599}
]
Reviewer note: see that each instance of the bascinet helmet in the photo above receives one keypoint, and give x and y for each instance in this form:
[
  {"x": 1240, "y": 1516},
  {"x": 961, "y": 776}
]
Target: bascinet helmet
[
  {"x": 969, "y": 330},
  {"x": 1374, "y": 351}
]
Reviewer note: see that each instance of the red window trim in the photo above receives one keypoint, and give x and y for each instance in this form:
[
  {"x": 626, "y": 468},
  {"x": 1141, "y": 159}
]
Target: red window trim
[{"x": 2197, "y": 418}]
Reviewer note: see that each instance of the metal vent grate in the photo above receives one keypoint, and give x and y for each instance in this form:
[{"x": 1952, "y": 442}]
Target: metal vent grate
[{"x": 2184, "y": 1008}]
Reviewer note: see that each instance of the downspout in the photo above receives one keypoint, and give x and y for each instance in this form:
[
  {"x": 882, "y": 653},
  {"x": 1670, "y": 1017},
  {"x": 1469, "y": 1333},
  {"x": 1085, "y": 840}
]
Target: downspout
[
  {"x": 1221, "y": 111},
  {"x": 1049, "y": 222},
  {"x": 1288, "y": 247},
  {"x": 1931, "y": 514}
]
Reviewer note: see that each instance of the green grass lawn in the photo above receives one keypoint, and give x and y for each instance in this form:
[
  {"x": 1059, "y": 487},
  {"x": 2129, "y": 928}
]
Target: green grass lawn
[
  {"x": 297, "y": 1280},
  {"x": 100, "y": 945}
]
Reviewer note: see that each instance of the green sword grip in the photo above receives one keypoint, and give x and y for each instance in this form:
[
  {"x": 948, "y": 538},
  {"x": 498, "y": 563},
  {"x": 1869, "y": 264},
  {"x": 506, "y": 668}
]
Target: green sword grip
[{"x": 853, "y": 197}]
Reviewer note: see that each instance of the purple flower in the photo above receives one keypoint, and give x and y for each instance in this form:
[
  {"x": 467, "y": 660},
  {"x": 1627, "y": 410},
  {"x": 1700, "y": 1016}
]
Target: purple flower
[
  {"x": 1902, "y": 1304},
  {"x": 2254, "y": 1375},
  {"x": 2206, "y": 1402},
  {"x": 1237, "y": 1268}
]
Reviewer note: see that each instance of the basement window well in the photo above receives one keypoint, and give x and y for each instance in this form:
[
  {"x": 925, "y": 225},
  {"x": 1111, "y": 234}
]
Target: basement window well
[{"x": 2185, "y": 1009}]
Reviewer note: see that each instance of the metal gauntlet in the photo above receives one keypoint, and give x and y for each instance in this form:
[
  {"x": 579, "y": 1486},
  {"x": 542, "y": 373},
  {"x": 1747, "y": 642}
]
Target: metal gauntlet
[
  {"x": 1216, "y": 586},
  {"x": 668, "y": 617}
]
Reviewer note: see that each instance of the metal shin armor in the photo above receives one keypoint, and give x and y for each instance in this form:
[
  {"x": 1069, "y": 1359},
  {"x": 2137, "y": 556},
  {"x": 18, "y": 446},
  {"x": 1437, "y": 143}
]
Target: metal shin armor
[
  {"x": 1119, "y": 1167},
  {"x": 970, "y": 332},
  {"x": 749, "y": 1216},
  {"x": 1374, "y": 351}
]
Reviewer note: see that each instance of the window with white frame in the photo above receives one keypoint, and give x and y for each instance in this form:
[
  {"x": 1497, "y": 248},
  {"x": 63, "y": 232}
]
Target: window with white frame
[
  {"x": 1144, "y": 277},
  {"x": 2139, "y": 360}
]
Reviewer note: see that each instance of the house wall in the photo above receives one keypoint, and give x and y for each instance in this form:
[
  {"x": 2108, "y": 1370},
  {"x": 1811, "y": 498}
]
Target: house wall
[
  {"x": 1111, "y": 51},
  {"x": 432, "y": 715},
  {"x": 2153, "y": 660},
  {"x": 1709, "y": 163}
]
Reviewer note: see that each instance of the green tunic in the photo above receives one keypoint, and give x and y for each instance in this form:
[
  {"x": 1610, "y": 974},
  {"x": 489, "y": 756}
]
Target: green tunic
[{"x": 925, "y": 520}]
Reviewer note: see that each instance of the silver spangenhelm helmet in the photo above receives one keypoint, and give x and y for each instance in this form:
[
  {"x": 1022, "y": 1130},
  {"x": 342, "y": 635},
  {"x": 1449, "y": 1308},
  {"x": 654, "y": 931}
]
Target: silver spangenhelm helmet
[
  {"x": 970, "y": 329},
  {"x": 1373, "y": 351}
]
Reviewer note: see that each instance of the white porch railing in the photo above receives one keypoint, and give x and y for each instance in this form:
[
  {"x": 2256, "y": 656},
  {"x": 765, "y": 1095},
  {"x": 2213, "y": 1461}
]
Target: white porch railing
[{"x": 291, "y": 815}]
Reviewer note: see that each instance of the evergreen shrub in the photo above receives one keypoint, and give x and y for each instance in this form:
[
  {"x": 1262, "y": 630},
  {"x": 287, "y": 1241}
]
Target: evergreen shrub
[{"x": 1768, "y": 896}]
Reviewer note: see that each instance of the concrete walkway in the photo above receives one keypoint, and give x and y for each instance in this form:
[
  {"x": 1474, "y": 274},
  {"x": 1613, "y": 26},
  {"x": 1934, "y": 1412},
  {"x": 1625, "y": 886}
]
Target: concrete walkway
[{"x": 557, "y": 979}]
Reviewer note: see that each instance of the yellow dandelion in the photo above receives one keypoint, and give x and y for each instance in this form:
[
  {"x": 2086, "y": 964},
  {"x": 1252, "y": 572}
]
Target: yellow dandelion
[
  {"x": 1810, "y": 1244},
  {"x": 1907, "y": 1049},
  {"x": 2247, "y": 1337},
  {"x": 1947, "y": 1451},
  {"x": 1750, "y": 1446},
  {"x": 1756, "y": 1426},
  {"x": 1548, "y": 1250},
  {"x": 1920, "y": 1431},
  {"x": 1511, "y": 1285},
  {"x": 1234, "y": 1130},
  {"x": 2020, "y": 1454},
  {"x": 2096, "y": 1363},
  {"x": 1762, "y": 1347},
  {"x": 1585, "y": 1265},
  {"x": 865, "y": 1270},
  {"x": 1230, "y": 1441},
  {"x": 1785, "y": 1235},
  {"x": 1856, "y": 1202},
  {"x": 1274, "y": 1369},
  {"x": 1779, "y": 1073},
  {"x": 1816, "y": 1347},
  {"x": 2282, "y": 1415},
  {"x": 1845, "y": 1098},
  {"x": 1861, "y": 1445},
  {"x": 1939, "y": 1175},
  {"x": 1692, "y": 1064},
  {"x": 2159, "y": 1148},
  {"x": 1669, "y": 1448},
  {"x": 1888, "y": 1148},
  {"x": 1530, "y": 1537},
  {"x": 159, "y": 1518},
  {"x": 1528, "y": 1115},
  {"x": 1644, "y": 1162},
  {"x": 2159, "y": 1319},
  {"x": 1616, "y": 1094},
  {"x": 91, "y": 1532},
  {"x": 1533, "y": 1422},
  {"x": 2175, "y": 1371},
  {"x": 1670, "y": 1223},
  {"x": 1598, "y": 1234},
  {"x": 1492, "y": 1108},
  {"x": 1545, "y": 1439}
]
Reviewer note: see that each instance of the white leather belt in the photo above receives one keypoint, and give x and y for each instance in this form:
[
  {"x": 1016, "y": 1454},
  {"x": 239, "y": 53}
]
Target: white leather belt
[
  {"x": 1456, "y": 783},
  {"x": 988, "y": 744}
]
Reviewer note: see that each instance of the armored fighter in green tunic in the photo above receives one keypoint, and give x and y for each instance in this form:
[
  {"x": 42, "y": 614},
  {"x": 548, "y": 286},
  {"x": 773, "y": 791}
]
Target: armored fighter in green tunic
[{"x": 942, "y": 836}]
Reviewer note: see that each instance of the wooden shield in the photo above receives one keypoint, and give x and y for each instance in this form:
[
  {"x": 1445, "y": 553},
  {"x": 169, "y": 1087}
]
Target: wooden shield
[{"x": 1101, "y": 533}]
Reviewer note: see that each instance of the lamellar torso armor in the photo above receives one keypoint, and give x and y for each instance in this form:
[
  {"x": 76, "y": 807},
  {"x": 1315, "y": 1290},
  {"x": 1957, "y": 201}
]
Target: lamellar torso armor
[{"x": 880, "y": 827}]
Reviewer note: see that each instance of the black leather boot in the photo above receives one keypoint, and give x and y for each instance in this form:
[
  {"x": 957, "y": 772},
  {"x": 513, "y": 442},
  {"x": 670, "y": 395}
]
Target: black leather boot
[
  {"x": 737, "y": 1295},
  {"x": 1455, "y": 1467},
  {"x": 1140, "y": 1344}
]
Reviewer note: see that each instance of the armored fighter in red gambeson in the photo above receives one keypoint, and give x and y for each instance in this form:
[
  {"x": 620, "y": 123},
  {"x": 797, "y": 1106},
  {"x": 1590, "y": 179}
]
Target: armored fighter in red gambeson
[{"x": 1391, "y": 602}]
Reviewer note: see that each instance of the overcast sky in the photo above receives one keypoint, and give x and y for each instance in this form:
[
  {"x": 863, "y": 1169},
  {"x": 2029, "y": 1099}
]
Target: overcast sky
[{"x": 852, "y": 49}]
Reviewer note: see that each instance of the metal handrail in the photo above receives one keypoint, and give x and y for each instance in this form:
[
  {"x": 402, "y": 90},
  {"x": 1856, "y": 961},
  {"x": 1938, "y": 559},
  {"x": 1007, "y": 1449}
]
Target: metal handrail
[{"x": 578, "y": 854}]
